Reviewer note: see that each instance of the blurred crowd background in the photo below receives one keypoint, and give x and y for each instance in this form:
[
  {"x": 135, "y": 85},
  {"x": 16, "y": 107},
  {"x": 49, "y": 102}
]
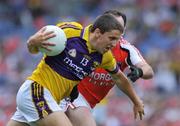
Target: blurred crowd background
[{"x": 153, "y": 26}]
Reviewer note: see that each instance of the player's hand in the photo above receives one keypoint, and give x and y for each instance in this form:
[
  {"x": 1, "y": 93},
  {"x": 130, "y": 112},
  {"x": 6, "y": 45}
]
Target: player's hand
[
  {"x": 135, "y": 73},
  {"x": 40, "y": 37},
  {"x": 139, "y": 110}
]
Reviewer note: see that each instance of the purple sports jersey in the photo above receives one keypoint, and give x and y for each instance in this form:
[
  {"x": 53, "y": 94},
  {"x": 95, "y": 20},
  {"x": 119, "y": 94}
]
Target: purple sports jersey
[{"x": 75, "y": 62}]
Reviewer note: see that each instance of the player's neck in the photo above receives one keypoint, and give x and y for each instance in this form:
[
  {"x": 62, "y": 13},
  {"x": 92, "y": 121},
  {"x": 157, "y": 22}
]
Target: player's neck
[{"x": 92, "y": 40}]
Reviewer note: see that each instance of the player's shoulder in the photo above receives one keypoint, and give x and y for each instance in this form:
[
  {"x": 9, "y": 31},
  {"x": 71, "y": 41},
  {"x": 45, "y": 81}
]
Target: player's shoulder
[
  {"x": 73, "y": 25},
  {"x": 71, "y": 29},
  {"x": 107, "y": 57}
]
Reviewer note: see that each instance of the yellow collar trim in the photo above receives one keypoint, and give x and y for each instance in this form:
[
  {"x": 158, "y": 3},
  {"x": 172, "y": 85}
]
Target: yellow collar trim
[{"x": 85, "y": 36}]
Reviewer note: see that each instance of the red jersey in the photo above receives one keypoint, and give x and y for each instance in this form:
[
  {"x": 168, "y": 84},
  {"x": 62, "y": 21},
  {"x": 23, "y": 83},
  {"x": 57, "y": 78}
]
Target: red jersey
[{"x": 96, "y": 86}]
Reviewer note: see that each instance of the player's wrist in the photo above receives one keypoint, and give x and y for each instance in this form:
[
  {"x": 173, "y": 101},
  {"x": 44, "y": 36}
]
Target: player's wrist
[
  {"x": 138, "y": 101},
  {"x": 140, "y": 72}
]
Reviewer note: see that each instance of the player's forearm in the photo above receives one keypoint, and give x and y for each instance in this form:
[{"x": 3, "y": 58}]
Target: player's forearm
[
  {"x": 147, "y": 70},
  {"x": 124, "y": 85},
  {"x": 31, "y": 46}
]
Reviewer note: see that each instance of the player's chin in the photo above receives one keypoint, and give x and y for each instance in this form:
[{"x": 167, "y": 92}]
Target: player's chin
[
  {"x": 102, "y": 52},
  {"x": 105, "y": 50}
]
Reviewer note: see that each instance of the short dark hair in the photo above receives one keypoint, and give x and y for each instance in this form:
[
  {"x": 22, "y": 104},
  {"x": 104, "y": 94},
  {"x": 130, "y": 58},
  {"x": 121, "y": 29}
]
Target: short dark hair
[
  {"x": 106, "y": 23},
  {"x": 117, "y": 13}
]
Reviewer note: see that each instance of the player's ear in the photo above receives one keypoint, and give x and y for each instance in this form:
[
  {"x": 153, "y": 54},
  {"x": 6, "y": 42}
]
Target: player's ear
[{"x": 97, "y": 32}]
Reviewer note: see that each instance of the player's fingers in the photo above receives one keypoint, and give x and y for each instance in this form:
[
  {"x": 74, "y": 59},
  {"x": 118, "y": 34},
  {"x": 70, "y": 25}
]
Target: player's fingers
[
  {"x": 42, "y": 29},
  {"x": 50, "y": 36},
  {"x": 135, "y": 115},
  {"x": 45, "y": 44},
  {"x": 49, "y": 33},
  {"x": 45, "y": 47},
  {"x": 141, "y": 114}
]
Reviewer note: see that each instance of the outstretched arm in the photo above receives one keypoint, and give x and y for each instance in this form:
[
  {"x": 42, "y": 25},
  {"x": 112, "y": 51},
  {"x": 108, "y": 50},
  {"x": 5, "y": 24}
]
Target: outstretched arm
[
  {"x": 138, "y": 65},
  {"x": 123, "y": 84}
]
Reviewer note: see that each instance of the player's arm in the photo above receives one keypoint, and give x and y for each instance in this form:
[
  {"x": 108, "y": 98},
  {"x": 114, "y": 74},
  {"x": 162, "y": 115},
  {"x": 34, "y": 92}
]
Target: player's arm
[
  {"x": 38, "y": 40},
  {"x": 124, "y": 85},
  {"x": 138, "y": 66},
  {"x": 140, "y": 70},
  {"x": 146, "y": 69}
]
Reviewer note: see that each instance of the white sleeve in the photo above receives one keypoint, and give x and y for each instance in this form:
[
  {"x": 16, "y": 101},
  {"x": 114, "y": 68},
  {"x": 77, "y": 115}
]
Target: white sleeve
[{"x": 134, "y": 55}]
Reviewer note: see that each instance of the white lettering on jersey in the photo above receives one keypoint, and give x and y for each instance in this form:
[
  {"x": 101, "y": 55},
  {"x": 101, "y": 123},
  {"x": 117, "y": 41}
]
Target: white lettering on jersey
[
  {"x": 84, "y": 62},
  {"x": 101, "y": 83},
  {"x": 79, "y": 71},
  {"x": 101, "y": 76}
]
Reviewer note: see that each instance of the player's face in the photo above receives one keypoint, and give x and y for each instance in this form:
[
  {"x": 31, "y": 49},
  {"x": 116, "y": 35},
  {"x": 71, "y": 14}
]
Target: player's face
[{"x": 107, "y": 41}]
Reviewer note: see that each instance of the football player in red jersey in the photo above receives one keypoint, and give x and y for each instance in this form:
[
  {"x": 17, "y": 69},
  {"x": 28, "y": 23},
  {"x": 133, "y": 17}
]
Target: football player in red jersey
[{"x": 94, "y": 88}]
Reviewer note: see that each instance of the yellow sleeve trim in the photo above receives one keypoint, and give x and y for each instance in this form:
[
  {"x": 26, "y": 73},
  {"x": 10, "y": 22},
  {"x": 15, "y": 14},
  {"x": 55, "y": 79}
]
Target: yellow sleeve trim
[
  {"x": 71, "y": 29},
  {"x": 108, "y": 61}
]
